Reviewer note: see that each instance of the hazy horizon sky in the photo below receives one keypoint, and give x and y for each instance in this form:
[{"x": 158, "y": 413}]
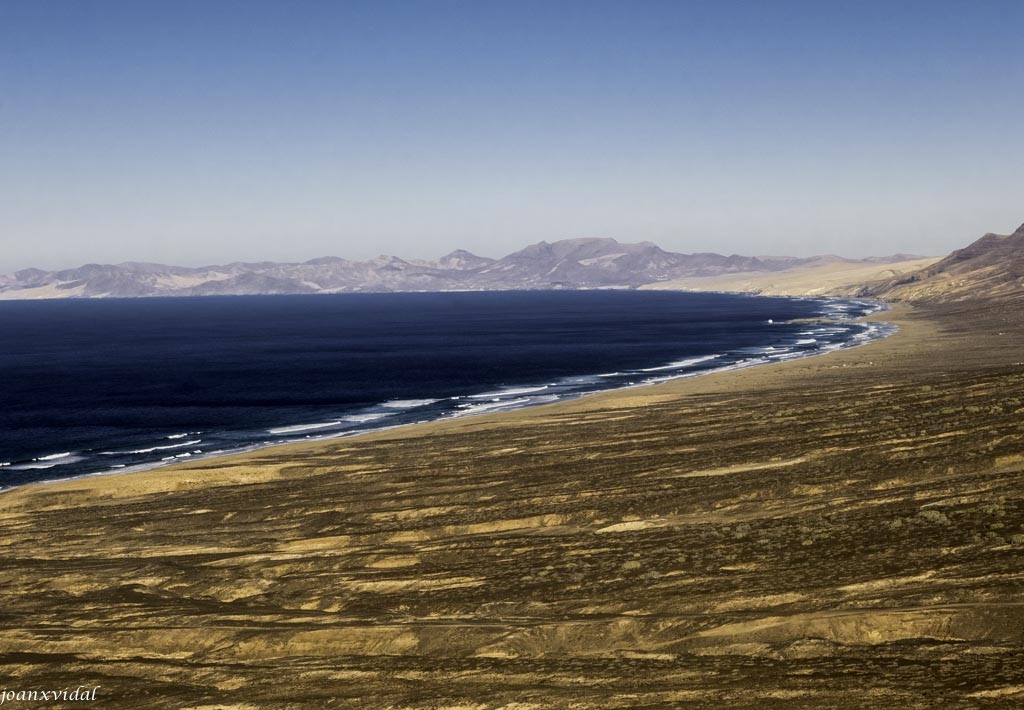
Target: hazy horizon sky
[{"x": 197, "y": 132}]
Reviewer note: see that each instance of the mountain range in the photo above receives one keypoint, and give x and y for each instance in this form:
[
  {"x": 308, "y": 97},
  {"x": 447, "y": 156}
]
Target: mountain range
[{"x": 566, "y": 264}]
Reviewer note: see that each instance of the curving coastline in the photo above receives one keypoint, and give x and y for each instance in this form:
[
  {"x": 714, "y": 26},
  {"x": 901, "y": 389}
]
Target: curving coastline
[{"x": 829, "y": 331}]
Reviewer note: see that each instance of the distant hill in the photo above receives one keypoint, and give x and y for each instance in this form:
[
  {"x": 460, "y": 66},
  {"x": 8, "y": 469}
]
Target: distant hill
[
  {"x": 566, "y": 264},
  {"x": 990, "y": 268}
]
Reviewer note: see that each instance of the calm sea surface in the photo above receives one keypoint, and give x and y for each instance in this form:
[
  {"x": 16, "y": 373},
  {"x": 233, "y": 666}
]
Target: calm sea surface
[{"x": 90, "y": 386}]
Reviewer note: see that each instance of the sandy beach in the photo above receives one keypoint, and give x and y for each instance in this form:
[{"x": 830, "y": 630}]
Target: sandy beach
[{"x": 845, "y": 530}]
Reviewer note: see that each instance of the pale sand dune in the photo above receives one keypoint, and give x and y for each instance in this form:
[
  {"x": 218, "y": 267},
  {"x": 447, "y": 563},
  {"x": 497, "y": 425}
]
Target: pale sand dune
[
  {"x": 42, "y": 292},
  {"x": 66, "y": 290},
  {"x": 828, "y": 278}
]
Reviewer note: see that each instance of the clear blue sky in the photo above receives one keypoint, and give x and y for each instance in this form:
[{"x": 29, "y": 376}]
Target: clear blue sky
[{"x": 206, "y": 131}]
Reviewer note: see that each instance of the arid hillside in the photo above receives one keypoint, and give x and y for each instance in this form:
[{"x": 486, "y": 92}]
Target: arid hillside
[{"x": 992, "y": 268}]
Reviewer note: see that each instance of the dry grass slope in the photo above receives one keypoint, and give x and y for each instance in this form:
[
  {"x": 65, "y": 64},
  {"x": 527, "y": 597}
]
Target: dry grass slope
[{"x": 846, "y": 531}]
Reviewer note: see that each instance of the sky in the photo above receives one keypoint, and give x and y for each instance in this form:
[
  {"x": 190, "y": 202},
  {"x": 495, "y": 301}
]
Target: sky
[{"x": 205, "y": 131}]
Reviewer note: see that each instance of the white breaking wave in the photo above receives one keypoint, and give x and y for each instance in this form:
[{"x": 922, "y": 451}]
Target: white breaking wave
[
  {"x": 52, "y": 457},
  {"x": 350, "y": 419},
  {"x": 363, "y": 418},
  {"x": 43, "y": 462},
  {"x": 806, "y": 341},
  {"x": 488, "y": 406},
  {"x": 151, "y": 449},
  {"x": 408, "y": 403},
  {"x": 176, "y": 456},
  {"x": 765, "y": 350},
  {"x": 787, "y": 356},
  {"x": 508, "y": 391},
  {"x": 304, "y": 427},
  {"x": 680, "y": 363},
  {"x": 581, "y": 380}
]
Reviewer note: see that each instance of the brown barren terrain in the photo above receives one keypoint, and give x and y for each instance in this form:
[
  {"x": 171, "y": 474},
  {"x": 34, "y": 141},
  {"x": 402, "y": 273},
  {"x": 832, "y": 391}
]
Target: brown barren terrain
[{"x": 845, "y": 531}]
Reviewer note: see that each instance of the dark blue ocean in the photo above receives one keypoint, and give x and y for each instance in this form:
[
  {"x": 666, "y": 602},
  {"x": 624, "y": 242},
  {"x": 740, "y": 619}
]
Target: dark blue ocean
[{"x": 90, "y": 386}]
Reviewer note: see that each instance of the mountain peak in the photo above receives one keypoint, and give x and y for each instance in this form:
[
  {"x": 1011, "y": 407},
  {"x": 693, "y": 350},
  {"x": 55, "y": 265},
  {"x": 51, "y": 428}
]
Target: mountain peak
[
  {"x": 577, "y": 249},
  {"x": 325, "y": 260},
  {"x": 388, "y": 260},
  {"x": 462, "y": 260}
]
